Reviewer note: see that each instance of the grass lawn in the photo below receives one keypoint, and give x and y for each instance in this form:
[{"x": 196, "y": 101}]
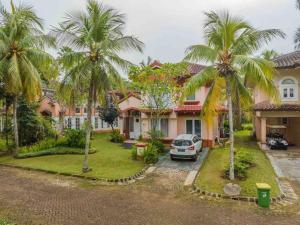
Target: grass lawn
[
  {"x": 111, "y": 161},
  {"x": 210, "y": 174},
  {"x": 4, "y": 222}
]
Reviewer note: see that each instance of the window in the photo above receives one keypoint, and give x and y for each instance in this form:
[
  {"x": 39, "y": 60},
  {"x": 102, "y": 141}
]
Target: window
[
  {"x": 77, "y": 123},
  {"x": 161, "y": 124},
  {"x": 69, "y": 123},
  {"x": 289, "y": 89},
  {"x": 77, "y": 110},
  {"x": 96, "y": 123},
  {"x": 191, "y": 98},
  {"x": 193, "y": 127}
]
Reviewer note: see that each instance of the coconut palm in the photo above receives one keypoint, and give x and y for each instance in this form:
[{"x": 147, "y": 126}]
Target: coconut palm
[
  {"x": 297, "y": 35},
  {"x": 230, "y": 42},
  {"x": 23, "y": 61},
  {"x": 96, "y": 37},
  {"x": 269, "y": 54}
]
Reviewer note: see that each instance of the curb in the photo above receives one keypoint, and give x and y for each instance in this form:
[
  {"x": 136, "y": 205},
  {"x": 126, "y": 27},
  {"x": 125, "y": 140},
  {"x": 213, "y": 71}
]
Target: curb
[
  {"x": 117, "y": 181},
  {"x": 237, "y": 198}
]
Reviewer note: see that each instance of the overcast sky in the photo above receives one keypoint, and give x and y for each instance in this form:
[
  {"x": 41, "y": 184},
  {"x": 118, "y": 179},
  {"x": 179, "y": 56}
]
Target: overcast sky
[{"x": 167, "y": 27}]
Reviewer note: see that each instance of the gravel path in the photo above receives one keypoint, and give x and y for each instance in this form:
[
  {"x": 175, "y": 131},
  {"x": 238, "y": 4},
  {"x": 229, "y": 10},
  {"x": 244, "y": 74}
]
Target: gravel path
[{"x": 34, "y": 198}]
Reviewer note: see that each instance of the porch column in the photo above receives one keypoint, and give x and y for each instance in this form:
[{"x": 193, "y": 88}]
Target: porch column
[{"x": 263, "y": 130}]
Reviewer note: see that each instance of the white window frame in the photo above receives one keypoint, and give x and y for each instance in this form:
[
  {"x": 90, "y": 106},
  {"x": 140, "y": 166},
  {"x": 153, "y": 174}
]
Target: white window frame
[
  {"x": 158, "y": 128},
  {"x": 288, "y": 87},
  {"x": 96, "y": 120},
  {"x": 193, "y": 123}
]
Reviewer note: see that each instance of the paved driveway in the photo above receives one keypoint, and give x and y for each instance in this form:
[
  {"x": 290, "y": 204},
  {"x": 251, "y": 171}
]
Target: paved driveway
[
  {"x": 182, "y": 165},
  {"x": 31, "y": 198},
  {"x": 288, "y": 163}
]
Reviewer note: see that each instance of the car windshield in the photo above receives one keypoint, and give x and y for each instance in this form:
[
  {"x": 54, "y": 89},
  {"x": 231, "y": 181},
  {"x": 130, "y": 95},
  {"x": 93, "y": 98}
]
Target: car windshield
[{"x": 182, "y": 142}]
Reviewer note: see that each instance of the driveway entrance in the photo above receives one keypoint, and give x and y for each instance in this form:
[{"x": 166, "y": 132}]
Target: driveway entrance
[{"x": 288, "y": 162}]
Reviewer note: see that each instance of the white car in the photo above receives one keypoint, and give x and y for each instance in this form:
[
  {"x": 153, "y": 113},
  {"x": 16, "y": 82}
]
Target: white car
[{"x": 186, "y": 146}]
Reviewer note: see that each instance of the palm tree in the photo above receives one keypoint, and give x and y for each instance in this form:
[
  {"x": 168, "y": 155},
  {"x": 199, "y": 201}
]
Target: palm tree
[
  {"x": 23, "y": 61},
  {"x": 297, "y": 35},
  {"x": 96, "y": 37},
  {"x": 269, "y": 54},
  {"x": 230, "y": 42}
]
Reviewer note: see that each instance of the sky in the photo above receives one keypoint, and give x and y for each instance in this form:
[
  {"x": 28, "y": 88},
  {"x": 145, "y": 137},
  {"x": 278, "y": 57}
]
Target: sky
[{"x": 168, "y": 27}]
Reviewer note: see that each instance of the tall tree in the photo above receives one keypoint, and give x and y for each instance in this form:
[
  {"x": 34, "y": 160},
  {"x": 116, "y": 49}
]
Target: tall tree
[
  {"x": 96, "y": 37},
  {"x": 230, "y": 42},
  {"x": 297, "y": 35},
  {"x": 23, "y": 60},
  {"x": 269, "y": 54}
]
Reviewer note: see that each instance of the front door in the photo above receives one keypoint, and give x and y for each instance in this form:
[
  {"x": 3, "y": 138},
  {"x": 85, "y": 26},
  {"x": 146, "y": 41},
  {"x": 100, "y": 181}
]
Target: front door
[{"x": 137, "y": 127}]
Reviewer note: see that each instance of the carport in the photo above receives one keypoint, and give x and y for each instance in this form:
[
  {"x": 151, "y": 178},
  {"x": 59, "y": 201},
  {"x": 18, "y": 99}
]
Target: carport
[{"x": 283, "y": 119}]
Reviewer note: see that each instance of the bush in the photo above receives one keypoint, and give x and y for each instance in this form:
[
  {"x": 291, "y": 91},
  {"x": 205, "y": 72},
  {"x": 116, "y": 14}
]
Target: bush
[
  {"x": 29, "y": 120},
  {"x": 158, "y": 145},
  {"x": 4, "y": 222},
  {"x": 243, "y": 161},
  {"x": 247, "y": 126},
  {"x": 55, "y": 151},
  {"x": 150, "y": 155},
  {"x": 116, "y": 137},
  {"x": 134, "y": 153},
  {"x": 42, "y": 145},
  {"x": 74, "y": 138}
]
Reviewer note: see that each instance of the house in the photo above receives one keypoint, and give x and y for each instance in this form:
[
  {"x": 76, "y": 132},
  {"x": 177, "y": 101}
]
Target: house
[
  {"x": 135, "y": 120},
  {"x": 70, "y": 117},
  {"x": 283, "y": 118}
]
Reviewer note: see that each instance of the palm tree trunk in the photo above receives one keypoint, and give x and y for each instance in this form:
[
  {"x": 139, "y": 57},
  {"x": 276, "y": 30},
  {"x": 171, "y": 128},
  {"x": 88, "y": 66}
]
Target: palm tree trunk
[
  {"x": 6, "y": 123},
  {"x": 85, "y": 167},
  {"x": 15, "y": 121},
  {"x": 231, "y": 137}
]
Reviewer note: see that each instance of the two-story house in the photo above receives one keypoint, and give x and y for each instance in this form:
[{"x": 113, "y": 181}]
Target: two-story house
[
  {"x": 135, "y": 119},
  {"x": 283, "y": 118},
  {"x": 71, "y": 117}
]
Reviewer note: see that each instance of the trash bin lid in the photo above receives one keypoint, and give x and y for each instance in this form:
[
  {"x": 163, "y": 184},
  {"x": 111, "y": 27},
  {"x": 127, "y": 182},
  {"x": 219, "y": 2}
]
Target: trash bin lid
[{"x": 263, "y": 186}]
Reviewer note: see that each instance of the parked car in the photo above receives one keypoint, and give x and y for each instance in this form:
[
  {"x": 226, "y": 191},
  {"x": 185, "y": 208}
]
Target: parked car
[
  {"x": 186, "y": 146},
  {"x": 277, "y": 141}
]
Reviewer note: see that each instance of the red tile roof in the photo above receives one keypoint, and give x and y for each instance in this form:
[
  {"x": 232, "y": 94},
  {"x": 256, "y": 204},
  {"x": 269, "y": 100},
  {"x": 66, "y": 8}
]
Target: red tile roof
[
  {"x": 189, "y": 108},
  {"x": 266, "y": 106}
]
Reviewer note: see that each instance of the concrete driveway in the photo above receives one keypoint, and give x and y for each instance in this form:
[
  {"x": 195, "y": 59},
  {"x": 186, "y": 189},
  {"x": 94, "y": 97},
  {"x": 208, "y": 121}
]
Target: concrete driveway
[
  {"x": 287, "y": 163},
  {"x": 182, "y": 165}
]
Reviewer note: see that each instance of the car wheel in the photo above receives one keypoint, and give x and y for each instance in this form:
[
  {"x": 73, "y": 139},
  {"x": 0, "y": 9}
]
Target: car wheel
[
  {"x": 195, "y": 158},
  {"x": 172, "y": 158}
]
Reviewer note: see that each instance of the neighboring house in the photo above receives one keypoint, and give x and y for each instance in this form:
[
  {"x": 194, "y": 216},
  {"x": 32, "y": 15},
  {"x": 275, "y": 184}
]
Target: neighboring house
[
  {"x": 284, "y": 117},
  {"x": 135, "y": 120},
  {"x": 69, "y": 117}
]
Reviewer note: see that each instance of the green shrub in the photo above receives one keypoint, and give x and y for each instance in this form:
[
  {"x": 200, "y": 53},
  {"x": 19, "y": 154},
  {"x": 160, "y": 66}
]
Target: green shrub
[
  {"x": 158, "y": 145},
  {"x": 150, "y": 155},
  {"x": 116, "y": 137},
  {"x": 55, "y": 151},
  {"x": 242, "y": 162},
  {"x": 74, "y": 138},
  {"x": 247, "y": 126},
  {"x": 134, "y": 153},
  {"x": 42, "y": 145}
]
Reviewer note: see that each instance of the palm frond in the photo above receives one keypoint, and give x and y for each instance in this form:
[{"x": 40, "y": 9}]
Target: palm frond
[
  {"x": 205, "y": 77},
  {"x": 197, "y": 53}
]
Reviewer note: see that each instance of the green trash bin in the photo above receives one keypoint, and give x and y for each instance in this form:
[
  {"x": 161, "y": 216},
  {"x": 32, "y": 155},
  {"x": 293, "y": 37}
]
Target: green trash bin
[{"x": 263, "y": 193}]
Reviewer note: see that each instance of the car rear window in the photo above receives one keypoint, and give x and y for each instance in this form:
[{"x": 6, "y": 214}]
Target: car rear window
[{"x": 182, "y": 142}]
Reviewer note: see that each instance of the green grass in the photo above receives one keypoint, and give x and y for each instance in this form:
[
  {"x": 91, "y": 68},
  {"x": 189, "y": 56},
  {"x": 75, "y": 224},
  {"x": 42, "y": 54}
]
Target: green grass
[
  {"x": 210, "y": 176},
  {"x": 4, "y": 222},
  {"x": 110, "y": 161}
]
